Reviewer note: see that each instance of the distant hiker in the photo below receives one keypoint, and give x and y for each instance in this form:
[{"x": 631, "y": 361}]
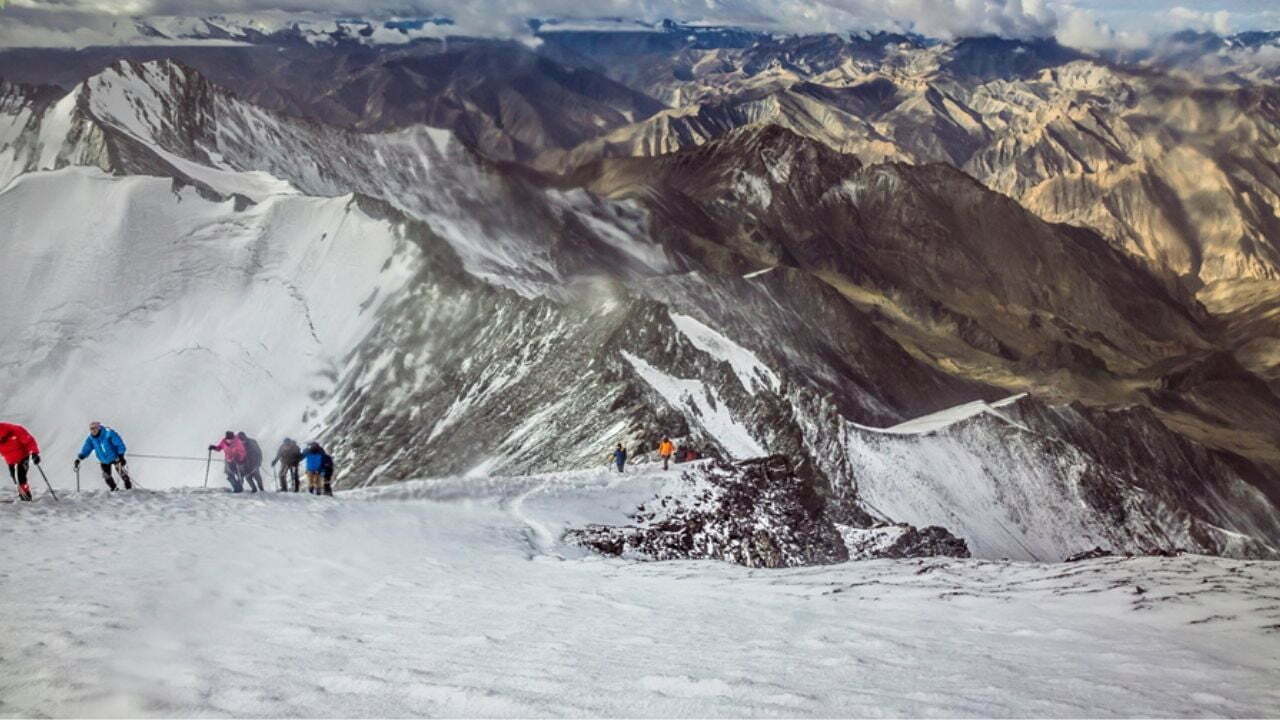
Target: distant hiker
[
  {"x": 233, "y": 451},
  {"x": 666, "y": 449},
  {"x": 314, "y": 457},
  {"x": 620, "y": 457},
  {"x": 18, "y": 448},
  {"x": 289, "y": 455},
  {"x": 107, "y": 444},
  {"x": 252, "y": 468}
]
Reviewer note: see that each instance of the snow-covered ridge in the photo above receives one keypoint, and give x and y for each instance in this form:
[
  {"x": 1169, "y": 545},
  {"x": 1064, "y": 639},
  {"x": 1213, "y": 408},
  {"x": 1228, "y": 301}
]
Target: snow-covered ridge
[
  {"x": 164, "y": 118},
  {"x": 1013, "y": 489}
]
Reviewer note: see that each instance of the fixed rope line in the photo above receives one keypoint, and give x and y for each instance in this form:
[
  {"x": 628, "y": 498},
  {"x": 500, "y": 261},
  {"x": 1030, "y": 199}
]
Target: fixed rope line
[{"x": 165, "y": 457}]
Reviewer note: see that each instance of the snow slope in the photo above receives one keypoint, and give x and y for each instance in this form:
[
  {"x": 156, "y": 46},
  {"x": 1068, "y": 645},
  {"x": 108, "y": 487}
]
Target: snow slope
[
  {"x": 454, "y": 597},
  {"x": 173, "y": 318}
]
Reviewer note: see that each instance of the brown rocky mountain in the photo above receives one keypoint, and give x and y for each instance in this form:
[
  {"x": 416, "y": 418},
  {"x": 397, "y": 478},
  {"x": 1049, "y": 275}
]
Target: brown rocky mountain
[
  {"x": 963, "y": 277},
  {"x": 502, "y": 98},
  {"x": 1176, "y": 169}
]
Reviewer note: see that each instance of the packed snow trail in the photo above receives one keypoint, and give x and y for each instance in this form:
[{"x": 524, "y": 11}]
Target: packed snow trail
[{"x": 446, "y": 597}]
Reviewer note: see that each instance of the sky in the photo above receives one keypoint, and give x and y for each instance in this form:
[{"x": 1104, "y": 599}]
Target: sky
[{"x": 1079, "y": 23}]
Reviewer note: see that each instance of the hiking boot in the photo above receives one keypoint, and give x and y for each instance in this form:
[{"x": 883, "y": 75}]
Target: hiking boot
[{"x": 24, "y": 492}]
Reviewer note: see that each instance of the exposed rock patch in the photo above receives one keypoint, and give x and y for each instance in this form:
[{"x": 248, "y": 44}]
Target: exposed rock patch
[
  {"x": 895, "y": 542},
  {"x": 757, "y": 513}
]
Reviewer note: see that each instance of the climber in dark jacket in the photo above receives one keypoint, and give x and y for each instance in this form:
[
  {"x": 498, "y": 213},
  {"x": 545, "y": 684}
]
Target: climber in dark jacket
[
  {"x": 289, "y": 456},
  {"x": 251, "y": 470},
  {"x": 326, "y": 474},
  {"x": 319, "y": 466},
  {"x": 620, "y": 457}
]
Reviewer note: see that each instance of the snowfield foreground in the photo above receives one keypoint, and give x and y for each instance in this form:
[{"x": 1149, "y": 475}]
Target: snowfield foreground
[{"x": 455, "y": 597}]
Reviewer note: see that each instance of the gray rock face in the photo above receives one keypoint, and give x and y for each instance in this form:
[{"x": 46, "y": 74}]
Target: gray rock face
[{"x": 757, "y": 513}]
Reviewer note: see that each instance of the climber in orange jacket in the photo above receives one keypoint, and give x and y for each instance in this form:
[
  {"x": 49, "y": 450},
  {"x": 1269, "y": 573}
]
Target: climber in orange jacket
[{"x": 666, "y": 450}]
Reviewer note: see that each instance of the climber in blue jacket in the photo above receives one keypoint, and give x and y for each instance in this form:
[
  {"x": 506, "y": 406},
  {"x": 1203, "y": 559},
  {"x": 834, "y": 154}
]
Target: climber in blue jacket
[{"x": 109, "y": 447}]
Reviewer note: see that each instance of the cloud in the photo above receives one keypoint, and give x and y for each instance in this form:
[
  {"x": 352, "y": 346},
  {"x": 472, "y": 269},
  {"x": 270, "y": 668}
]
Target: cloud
[
  {"x": 1090, "y": 24},
  {"x": 1206, "y": 21},
  {"x": 1085, "y": 30}
]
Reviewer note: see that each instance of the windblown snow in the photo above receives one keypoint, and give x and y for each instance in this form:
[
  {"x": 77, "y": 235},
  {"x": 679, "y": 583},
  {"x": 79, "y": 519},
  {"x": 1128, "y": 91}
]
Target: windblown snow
[{"x": 455, "y": 597}]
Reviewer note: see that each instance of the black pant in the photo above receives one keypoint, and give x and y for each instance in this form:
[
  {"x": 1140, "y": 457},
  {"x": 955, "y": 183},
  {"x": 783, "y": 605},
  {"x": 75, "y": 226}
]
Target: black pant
[
  {"x": 19, "y": 472},
  {"x": 124, "y": 475},
  {"x": 233, "y": 477},
  {"x": 253, "y": 475},
  {"x": 286, "y": 472}
]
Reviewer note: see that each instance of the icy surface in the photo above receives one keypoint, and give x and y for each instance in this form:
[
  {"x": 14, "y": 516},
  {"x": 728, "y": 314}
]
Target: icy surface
[{"x": 454, "y": 597}]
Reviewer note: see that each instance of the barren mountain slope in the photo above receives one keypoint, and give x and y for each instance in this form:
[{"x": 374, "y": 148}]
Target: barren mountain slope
[{"x": 1180, "y": 172}]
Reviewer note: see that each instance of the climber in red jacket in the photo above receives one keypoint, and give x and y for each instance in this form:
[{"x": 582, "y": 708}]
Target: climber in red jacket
[{"x": 18, "y": 448}]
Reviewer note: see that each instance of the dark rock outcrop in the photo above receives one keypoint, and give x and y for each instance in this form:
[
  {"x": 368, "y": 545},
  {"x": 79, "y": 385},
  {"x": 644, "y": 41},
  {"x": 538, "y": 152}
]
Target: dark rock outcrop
[
  {"x": 1093, "y": 554},
  {"x": 896, "y": 542},
  {"x": 758, "y": 513}
]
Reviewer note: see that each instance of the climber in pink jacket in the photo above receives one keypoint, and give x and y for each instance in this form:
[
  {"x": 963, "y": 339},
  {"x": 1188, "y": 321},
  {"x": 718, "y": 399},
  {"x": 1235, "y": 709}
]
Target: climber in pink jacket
[{"x": 233, "y": 450}]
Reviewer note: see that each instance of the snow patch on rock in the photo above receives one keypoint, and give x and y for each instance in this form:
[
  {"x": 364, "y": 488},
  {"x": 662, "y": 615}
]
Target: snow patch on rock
[
  {"x": 704, "y": 404},
  {"x": 746, "y": 365}
]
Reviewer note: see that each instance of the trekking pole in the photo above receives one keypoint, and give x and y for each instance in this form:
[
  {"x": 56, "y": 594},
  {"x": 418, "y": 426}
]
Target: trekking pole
[
  {"x": 207, "y": 463},
  {"x": 77, "y": 478},
  {"x": 132, "y": 481},
  {"x": 46, "y": 483}
]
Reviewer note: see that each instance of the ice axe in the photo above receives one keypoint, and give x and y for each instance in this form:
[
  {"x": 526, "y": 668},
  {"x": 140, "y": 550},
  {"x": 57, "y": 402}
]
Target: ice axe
[
  {"x": 46, "y": 482},
  {"x": 77, "y": 467}
]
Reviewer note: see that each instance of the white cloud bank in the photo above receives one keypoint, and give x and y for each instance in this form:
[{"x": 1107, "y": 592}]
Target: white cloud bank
[{"x": 1090, "y": 24}]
